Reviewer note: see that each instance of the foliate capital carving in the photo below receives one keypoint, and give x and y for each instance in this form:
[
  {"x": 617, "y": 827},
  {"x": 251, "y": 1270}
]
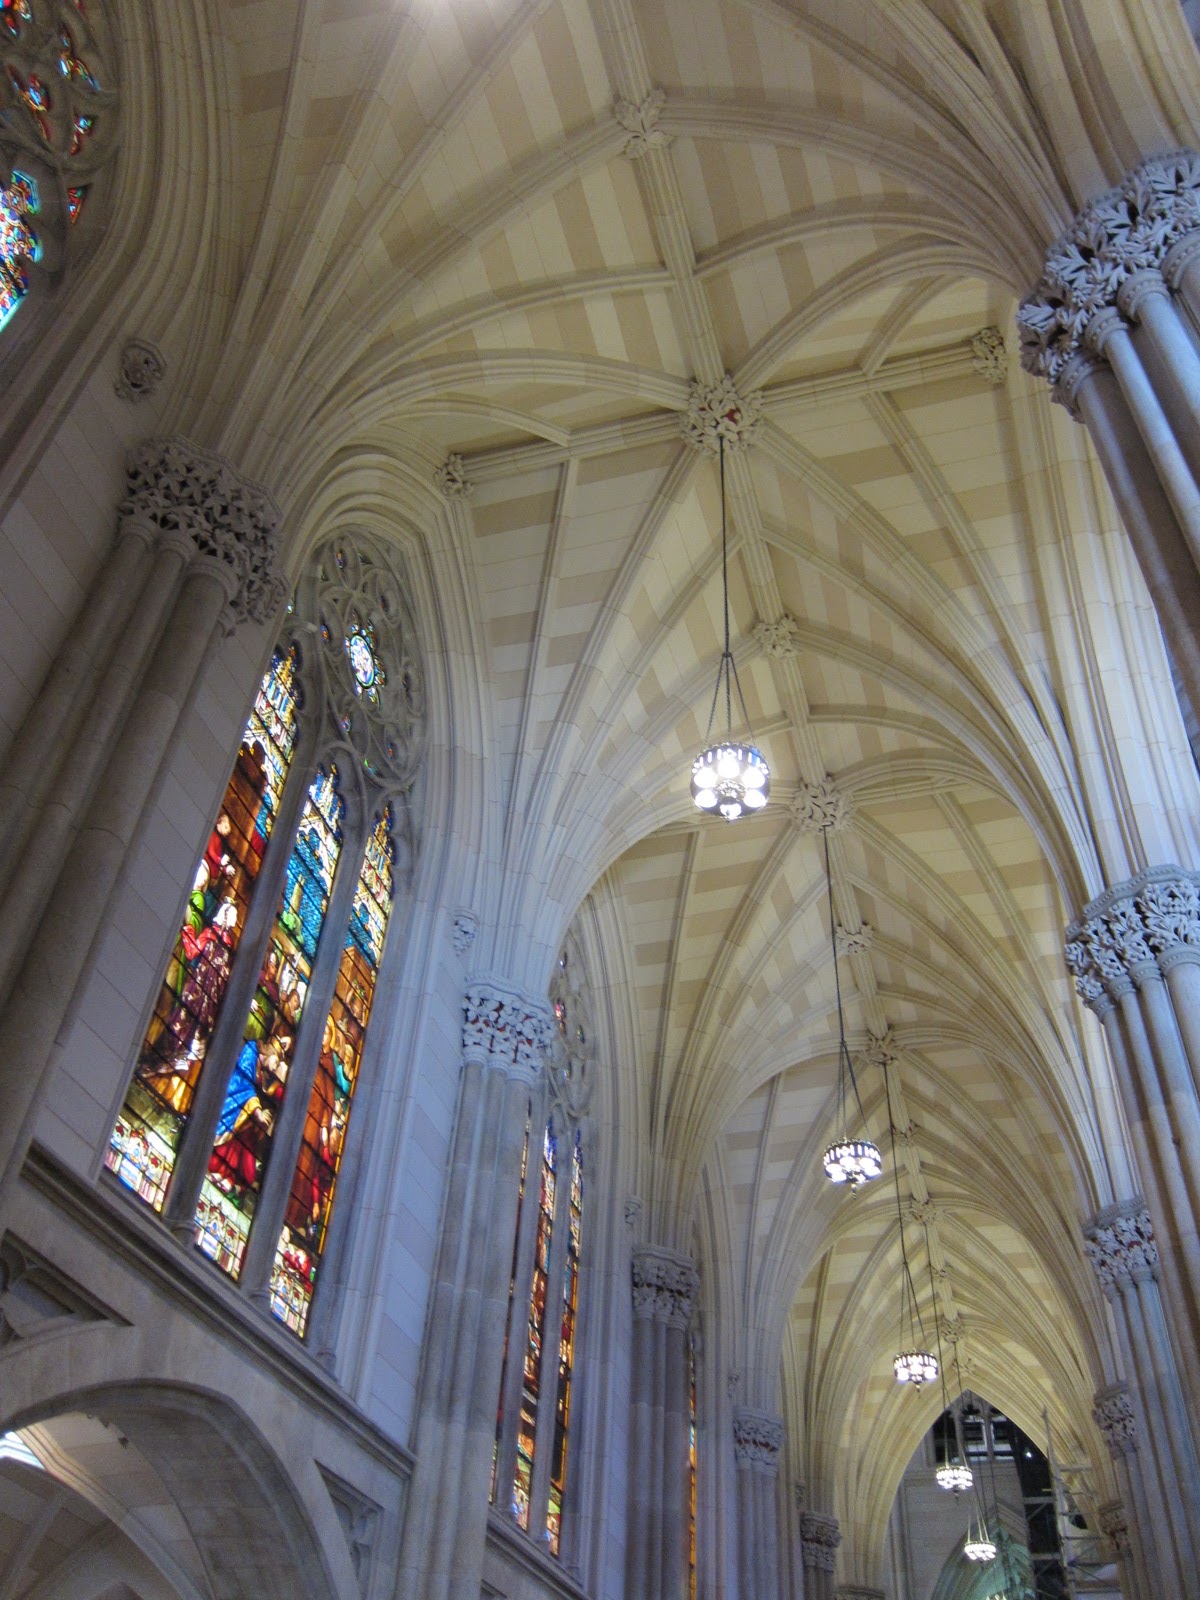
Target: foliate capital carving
[
  {"x": 1136, "y": 931},
  {"x": 816, "y": 807},
  {"x": 142, "y": 369},
  {"x": 463, "y": 930},
  {"x": 819, "y": 1540},
  {"x": 778, "y": 639},
  {"x": 1113, "y": 1415},
  {"x": 989, "y": 355},
  {"x": 664, "y": 1286},
  {"x": 1128, "y": 230},
  {"x": 1114, "y": 1525},
  {"x": 180, "y": 489},
  {"x": 502, "y": 1028},
  {"x": 641, "y": 124},
  {"x": 720, "y": 413},
  {"x": 757, "y": 1439},
  {"x": 1121, "y": 1247},
  {"x": 451, "y": 479}
]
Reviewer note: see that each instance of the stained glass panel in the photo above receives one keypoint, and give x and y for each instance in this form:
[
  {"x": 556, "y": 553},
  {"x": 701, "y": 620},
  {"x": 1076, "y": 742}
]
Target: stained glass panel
[
  {"x": 18, "y": 242},
  {"x": 512, "y": 1289},
  {"x": 146, "y": 1138},
  {"x": 256, "y": 1089},
  {"x": 535, "y": 1335},
  {"x": 566, "y": 1354},
  {"x": 310, "y": 1199}
]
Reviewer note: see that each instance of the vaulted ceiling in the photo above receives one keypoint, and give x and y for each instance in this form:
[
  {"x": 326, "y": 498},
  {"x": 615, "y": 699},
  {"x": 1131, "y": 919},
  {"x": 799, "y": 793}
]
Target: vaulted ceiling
[{"x": 430, "y": 234}]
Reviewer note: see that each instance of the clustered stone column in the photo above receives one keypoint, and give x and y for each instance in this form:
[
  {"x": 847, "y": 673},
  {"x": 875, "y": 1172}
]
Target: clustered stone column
[
  {"x": 1135, "y": 957},
  {"x": 505, "y": 1039},
  {"x": 757, "y": 1439},
  {"x": 658, "y": 1536},
  {"x": 1107, "y": 327},
  {"x": 195, "y": 554},
  {"x": 1148, "y": 1430},
  {"x": 819, "y": 1540}
]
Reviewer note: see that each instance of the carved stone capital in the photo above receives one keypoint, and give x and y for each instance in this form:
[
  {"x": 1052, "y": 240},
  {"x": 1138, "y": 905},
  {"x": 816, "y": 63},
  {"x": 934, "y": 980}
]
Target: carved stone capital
[
  {"x": 819, "y": 1540},
  {"x": 1114, "y": 1417},
  {"x": 989, "y": 355},
  {"x": 451, "y": 479},
  {"x": 1130, "y": 229},
  {"x": 1144, "y": 284},
  {"x": 180, "y": 489},
  {"x": 757, "y": 1439},
  {"x": 816, "y": 807},
  {"x": 641, "y": 124},
  {"x": 720, "y": 413},
  {"x": 1114, "y": 1525},
  {"x": 1135, "y": 933},
  {"x": 778, "y": 639},
  {"x": 503, "y": 1028},
  {"x": 664, "y": 1285},
  {"x": 1121, "y": 1246},
  {"x": 463, "y": 930}
]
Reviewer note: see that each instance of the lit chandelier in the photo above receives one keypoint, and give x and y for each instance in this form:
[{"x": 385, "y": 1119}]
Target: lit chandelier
[
  {"x": 729, "y": 778},
  {"x": 852, "y": 1161},
  {"x": 914, "y": 1364},
  {"x": 979, "y": 1547},
  {"x": 955, "y": 1477}
]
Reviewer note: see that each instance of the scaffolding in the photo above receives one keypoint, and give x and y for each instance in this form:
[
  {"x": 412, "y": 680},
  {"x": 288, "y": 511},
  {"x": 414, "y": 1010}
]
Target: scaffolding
[{"x": 1082, "y": 1561}]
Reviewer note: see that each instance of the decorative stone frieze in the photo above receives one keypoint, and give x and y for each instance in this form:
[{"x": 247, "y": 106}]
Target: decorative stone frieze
[
  {"x": 664, "y": 1285},
  {"x": 816, "y": 807},
  {"x": 989, "y": 355},
  {"x": 142, "y": 369},
  {"x": 175, "y": 487},
  {"x": 855, "y": 941},
  {"x": 1113, "y": 1415},
  {"x": 462, "y": 931},
  {"x": 1130, "y": 229},
  {"x": 778, "y": 639},
  {"x": 1120, "y": 1244},
  {"x": 451, "y": 479},
  {"x": 819, "y": 1540},
  {"x": 503, "y": 1028},
  {"x": 757, "y": 1439},
  {"x": 641, "y": 124},
  {"x": 720, "y": 413},
  {"x": 1137, "y": 930},
  {"x": 1114, "y": 1525}
]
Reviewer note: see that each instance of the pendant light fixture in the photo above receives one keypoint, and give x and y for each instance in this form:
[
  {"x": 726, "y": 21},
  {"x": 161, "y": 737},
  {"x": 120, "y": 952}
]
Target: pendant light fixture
[
  {"x": 729, "y": 778},
  {"x": 847, "y": 1160},
  {"x": 913, "y": 1363},
  {"x": 953, "y": 1474}
]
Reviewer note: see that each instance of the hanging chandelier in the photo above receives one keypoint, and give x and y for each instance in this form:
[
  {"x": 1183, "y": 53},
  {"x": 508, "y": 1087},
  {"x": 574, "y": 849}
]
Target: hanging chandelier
[
  {"x": 953, "y": 1474},
  {"x": 979, "y": 1548},
  {"x": 729, "y": 778},
  {"x": 852, "y": 1161},
  {"x": 914, "y": 1364}
]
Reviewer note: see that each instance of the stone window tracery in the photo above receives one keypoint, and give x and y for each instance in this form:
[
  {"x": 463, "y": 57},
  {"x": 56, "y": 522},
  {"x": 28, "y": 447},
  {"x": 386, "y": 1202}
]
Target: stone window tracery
[
  {"x": 235, "y": 1123},
  {"x": 534, "y": 1421},
  {"x": 59, "y": 113}
]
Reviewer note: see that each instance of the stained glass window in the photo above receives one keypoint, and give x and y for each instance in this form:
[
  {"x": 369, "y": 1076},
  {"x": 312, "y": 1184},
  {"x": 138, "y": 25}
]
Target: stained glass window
[
  {"x": 566, "y": 1353},
  {"x": 310, "y": 1198},
  {"x": 691, "y": 1465},
  {"x": 146, "y": 1139},
  {"x": 531, "y": 1386},
  {"x": 19, "y": 246},
  {"x": 512, "y": 1290},
  {"x": 255, "y": 1093}
]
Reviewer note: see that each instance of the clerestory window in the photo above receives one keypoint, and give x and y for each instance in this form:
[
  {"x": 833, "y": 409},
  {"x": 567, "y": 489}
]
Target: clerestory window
[{"x": 238, "y": 1117}]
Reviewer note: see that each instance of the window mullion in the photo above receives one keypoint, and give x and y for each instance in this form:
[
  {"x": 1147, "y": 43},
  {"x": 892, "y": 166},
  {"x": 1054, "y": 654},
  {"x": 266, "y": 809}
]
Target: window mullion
[
  {"x": 512, "y": 1379},
  {"x": 289, "y": 1129},
  {"x": 221, "y": 1056},
  {"x": 539, "y": 1488}
]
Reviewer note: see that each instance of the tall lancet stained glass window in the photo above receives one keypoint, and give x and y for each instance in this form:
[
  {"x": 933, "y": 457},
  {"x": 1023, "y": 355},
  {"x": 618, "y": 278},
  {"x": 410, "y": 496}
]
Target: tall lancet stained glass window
[
  {"x": 145, "y": 1142},
  {"x": 535, "y": 1337},
  {"x": 311, "y": 1194},
  {"x": 256, "y": 1090},
  {"x": 566, "y": 1350}
]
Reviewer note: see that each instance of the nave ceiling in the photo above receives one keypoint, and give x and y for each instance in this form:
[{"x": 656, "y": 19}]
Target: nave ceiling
[{"x": 427, "y": 233}]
